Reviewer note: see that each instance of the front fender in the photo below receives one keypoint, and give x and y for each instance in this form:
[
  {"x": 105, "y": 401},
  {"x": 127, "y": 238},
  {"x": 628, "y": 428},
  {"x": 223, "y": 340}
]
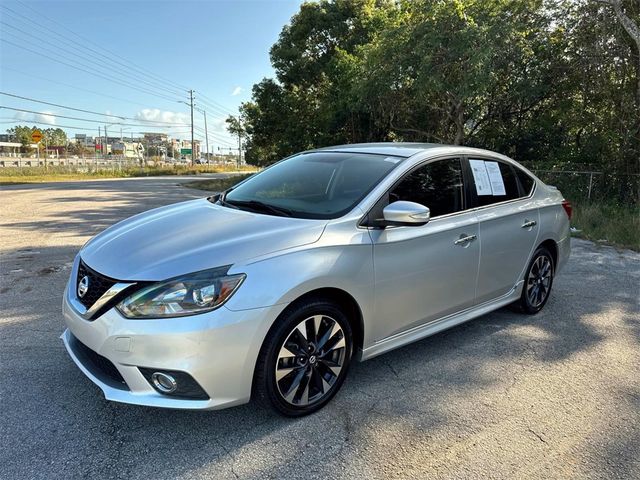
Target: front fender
[{"x": 284, "y": 278}]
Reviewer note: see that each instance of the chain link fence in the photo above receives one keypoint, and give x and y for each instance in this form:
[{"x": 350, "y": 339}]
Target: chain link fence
[{"x": 596, "y": 187}]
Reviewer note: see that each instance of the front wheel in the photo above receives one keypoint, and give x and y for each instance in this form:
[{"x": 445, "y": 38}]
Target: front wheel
[
  {"x": 537, "y": 282},
  {"x": 305, "y": 359}
]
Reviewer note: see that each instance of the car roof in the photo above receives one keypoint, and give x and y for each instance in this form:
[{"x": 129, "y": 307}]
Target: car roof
[
  {"x": 407, "y": 149},
  {"x": 399, "y": 149}
]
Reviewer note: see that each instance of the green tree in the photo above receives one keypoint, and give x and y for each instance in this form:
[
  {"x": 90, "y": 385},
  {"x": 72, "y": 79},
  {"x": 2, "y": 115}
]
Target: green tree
[
  {"x": 22, "y": 134},
  {"x": 550, "y": 82},
  {"x": 307, "y": 105},
  {"x": 54, "y": 137}
]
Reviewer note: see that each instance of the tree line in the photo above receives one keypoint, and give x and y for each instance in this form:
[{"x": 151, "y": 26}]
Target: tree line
[
  {"x": 50, "y": 136},
  {"x": 551, "y": 83}
]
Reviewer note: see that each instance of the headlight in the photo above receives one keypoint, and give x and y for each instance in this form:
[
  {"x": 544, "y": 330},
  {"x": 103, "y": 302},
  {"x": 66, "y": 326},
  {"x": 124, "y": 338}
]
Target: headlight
[{"x": 181, "y": 296}]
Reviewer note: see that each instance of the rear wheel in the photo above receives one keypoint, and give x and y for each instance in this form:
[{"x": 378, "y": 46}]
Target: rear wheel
[
  {"x": 305, "y": 359},
  {"x": 537, "y": 282}
]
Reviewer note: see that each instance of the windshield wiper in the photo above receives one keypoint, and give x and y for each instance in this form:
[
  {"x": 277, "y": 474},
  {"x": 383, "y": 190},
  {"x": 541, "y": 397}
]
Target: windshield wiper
[
  {"x": 259, "y": 206},
  {"x": 219, "y": 198}
]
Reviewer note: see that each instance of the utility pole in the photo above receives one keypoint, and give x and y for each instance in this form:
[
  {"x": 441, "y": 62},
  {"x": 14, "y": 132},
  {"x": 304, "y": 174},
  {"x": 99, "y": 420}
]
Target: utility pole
[
  {"x": 206, "y": 134},
  {"x": 105, "y": 140},
  {"x": 239, "y": 149},
  {"x": 193, "y": 147},
  {"x": 100, "y": 138}
]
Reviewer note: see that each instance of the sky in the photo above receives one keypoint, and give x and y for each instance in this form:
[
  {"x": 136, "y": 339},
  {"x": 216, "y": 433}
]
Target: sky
[{"x": 135, "y": 59}]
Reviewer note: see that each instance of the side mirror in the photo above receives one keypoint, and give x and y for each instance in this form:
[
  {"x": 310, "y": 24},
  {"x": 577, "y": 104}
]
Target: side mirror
[{"x": 409, "y": 214}]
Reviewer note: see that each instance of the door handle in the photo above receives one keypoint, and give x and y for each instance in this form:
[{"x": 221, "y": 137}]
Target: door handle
[
  {"x": 466, "y": 239},
  {"x": 529, "y": 224}
]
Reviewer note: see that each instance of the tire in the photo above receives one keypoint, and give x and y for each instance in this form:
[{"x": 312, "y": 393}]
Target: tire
[
  {"x": 319, "y": 334},
  {"x": 538, "y": 280}
]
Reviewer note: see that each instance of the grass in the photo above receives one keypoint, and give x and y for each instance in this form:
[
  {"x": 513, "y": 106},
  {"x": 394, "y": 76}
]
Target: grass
[
  {"x": 14, "y": 175},
  {"x": 217, "y": 184},
  {"x": 608, "y": 224}
]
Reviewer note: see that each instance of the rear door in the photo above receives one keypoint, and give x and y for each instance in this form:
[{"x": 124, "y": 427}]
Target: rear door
[{"x": 508, "y": 225}]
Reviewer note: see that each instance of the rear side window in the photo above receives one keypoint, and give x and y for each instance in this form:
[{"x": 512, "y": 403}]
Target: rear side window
[
  {"x": 494, "y": 181},
  {"x": 526, "y": 182},
  {"x": 437, "y": 185}
]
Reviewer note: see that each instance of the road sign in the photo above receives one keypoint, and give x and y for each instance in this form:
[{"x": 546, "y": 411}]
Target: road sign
[
  {"x": 185, "y": 151},
  {"x": 36, "y": 136}
]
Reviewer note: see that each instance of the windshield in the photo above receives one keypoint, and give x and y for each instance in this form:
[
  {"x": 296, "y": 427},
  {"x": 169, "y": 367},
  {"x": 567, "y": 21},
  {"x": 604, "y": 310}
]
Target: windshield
[{"x": 313, "y": 185}]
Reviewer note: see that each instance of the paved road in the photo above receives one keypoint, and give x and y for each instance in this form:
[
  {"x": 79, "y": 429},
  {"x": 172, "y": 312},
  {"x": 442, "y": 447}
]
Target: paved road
[{"x": 505, "y": 396}]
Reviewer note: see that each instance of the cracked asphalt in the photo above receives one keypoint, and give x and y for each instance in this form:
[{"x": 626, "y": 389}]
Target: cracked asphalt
[{"x": 555, "y": 395}]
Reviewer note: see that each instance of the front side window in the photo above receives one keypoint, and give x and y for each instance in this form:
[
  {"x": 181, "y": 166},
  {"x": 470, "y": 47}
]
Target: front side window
[
  {"x": 437, "y": 185},
  {"x": 494, "y": 181},
  {"x": 313, "y": 185}
]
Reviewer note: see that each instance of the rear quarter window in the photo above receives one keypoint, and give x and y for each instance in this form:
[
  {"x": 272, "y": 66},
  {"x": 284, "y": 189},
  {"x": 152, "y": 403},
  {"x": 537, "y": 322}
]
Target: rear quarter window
[{"x": 526, "y": 182}]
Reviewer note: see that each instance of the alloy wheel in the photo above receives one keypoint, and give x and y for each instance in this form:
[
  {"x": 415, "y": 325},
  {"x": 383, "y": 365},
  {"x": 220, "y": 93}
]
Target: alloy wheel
[
  {"x": 539, "y": 281},
  {"x": 310, "y": 360}
]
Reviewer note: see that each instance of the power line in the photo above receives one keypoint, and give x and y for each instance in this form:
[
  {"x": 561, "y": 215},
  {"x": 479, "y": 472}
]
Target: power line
[
  {"x": 150, "y": 124},
  {"x": 218, "y": 110},
  {"x": 131, "y": 65},
  {"x": 91, "y": 59},
  {"x": 112, "y": 54},
  {"x": 177, "y": 124},
  {"x": 75, "y": 87},
  {"x": 215, "y": 109},
  {"x": 142, "y": 76},
  {"x": 74, "y": 127},
  {"x": 214, "y": 103},
  {"x": 60, "y": 106},
  {"x": 89, "y": 71},
  {"x": 219, "y": 138}
]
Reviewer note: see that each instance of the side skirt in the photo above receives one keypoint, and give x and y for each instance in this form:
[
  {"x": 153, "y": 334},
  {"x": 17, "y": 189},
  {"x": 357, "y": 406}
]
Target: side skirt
[{"x": 435, "y": 326}]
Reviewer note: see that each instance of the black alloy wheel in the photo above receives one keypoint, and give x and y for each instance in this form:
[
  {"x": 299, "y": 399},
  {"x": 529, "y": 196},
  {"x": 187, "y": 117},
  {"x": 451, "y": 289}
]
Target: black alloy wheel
[
  {"x": 538, "y": 282},
  {"x": 305, "y": 358}
]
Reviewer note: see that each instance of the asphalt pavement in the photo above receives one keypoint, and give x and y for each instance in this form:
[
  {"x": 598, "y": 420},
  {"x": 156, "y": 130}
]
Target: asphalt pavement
[{"x": 556, "y": 395}]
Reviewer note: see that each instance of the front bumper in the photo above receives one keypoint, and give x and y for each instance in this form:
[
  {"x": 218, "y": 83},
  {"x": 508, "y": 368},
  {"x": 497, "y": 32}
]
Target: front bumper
[{"x": 218, "y": 349}]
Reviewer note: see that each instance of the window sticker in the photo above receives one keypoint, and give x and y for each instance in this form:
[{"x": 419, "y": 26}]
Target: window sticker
[
  {"x": 495, "y": 177},
  {"x": 480, "y": 177}
]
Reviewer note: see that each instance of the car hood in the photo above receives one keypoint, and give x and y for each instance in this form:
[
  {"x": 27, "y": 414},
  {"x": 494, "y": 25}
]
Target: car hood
[{"x": 192, "y": 236}]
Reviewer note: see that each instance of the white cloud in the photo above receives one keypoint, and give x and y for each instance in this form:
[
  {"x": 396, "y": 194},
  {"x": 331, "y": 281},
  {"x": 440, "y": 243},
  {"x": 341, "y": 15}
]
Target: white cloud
[
  {"x": 152, "y": 115},
  {"x": 45, "y": 118},
  {"x": 237, "y": 91}
]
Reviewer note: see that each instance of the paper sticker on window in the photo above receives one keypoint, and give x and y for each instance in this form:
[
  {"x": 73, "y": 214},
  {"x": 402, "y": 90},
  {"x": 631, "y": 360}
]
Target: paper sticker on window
[
  {"x": 495, "y": 177},
  {"x": 480, "y": 177}
]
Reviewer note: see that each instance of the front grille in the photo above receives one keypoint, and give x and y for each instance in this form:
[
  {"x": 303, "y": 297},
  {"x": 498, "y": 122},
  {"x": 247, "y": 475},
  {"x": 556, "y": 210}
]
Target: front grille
[
  {"x": 98, "y": 285},
  {"x": 100, "y": 366}
]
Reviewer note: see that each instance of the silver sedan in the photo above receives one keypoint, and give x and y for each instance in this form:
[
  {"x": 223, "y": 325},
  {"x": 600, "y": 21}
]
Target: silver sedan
[{"x": 272, "y": 288}]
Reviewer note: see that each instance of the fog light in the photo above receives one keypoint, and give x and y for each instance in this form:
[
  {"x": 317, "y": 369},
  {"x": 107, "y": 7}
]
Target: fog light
[
  {"x": 163, "y": 382},
  {"x": 174, "y": 383}
]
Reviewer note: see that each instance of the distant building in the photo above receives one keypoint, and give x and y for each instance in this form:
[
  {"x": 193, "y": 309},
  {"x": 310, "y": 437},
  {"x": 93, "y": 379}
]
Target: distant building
[
  {"x": 84, "y": 140},
  {"x": 177, "y": 146},
  {"x": 128, "y": 149},
  {"x": 152, "y": 138}
]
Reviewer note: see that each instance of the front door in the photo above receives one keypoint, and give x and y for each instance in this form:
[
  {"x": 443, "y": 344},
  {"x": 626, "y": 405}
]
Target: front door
[{"x": 423, "y": 273}]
